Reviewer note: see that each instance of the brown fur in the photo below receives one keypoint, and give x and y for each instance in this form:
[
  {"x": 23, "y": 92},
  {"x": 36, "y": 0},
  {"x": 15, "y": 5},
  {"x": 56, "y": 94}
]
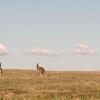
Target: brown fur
[
  {"x": 0, "y": 69},
  {"x": 40, "y": 70}
]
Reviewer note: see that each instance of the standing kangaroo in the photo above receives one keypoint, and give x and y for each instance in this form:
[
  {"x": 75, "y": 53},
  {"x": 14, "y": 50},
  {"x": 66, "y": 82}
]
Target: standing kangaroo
[
  {"x": 0, "y": 69},
  {"x": 40, "y": 70}
]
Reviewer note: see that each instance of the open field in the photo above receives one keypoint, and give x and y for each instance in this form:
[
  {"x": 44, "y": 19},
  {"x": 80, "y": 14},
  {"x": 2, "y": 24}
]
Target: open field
[{"x": 27, "y": 85}]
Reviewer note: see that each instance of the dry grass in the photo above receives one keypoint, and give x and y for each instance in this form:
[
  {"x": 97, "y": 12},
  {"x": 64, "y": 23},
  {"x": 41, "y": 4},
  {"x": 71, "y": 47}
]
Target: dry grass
[{"x": 27, "y": 85}]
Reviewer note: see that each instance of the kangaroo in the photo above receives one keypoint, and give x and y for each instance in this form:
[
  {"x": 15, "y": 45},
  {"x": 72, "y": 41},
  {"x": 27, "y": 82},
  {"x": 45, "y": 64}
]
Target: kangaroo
[
  {"x": 40, "y": 70},
  {"x": 0, "y": 69}
]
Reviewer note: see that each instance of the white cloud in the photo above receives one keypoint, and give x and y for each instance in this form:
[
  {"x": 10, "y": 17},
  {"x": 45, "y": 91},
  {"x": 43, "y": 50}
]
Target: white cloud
[
  {"x": 83, "y": 49},
  {"x": 3, "y": 49},
  {"x": 40, "y": 51}
]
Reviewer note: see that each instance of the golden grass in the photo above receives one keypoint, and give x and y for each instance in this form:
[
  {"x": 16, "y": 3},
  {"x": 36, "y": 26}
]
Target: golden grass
[{"x": 27, "y": 85}]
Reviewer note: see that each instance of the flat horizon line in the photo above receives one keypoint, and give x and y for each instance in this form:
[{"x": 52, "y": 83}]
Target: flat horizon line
[{"x": 53, "y": 70}]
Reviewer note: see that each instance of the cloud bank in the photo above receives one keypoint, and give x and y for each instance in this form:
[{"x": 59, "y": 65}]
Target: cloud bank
[
  {"x": 40, "y": 52},
  {"x": 3, "y": 49},
  {"x": 82, "y": 49}
]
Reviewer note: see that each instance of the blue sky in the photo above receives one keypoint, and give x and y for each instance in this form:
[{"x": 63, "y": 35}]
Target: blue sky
[{"x": 58, "y": 34}]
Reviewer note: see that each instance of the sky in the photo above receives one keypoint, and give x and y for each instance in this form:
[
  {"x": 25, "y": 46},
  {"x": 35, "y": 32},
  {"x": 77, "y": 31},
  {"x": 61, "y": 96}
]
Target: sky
[{"x": 57, "y": 34}]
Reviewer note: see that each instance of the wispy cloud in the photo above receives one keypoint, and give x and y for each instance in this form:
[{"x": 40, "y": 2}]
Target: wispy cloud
[
  {"x": 83, "y": 49},
  {"x": 3, "y": 49},
  {"x": 78, "y": 49},
  {"x": 40, "y": 52}
]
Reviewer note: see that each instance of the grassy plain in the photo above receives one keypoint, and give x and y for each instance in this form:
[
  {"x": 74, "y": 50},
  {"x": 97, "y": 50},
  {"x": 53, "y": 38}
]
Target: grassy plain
[{"x": 68, "y": 85}]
